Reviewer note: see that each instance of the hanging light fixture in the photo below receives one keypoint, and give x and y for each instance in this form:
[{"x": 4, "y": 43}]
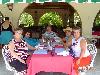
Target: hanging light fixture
[{"x": 10, "y": 6}]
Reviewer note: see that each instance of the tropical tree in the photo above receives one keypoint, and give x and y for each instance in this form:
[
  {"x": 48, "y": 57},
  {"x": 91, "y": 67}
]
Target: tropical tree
[
  {"x": 51, "y": 18},
  {"x": 26, "y": 20}
]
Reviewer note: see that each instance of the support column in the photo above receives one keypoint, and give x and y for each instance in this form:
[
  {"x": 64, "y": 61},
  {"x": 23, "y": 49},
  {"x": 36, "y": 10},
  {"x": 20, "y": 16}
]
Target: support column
[
  {"x": 71, "y": 20},
  {"x": 87, "y": 13},
  {"x": 65, "y": 19},
  {"x": 36, "y": 18}
]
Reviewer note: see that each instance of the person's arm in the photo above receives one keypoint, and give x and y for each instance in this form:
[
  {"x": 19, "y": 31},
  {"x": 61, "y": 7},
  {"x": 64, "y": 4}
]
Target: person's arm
[
  {"x": 63, "y": 40},
  {"x": 69, "y": 43},
  {"x": 30, "y": 47},
  {"x": 11, "y": 47},
  {"x": 83, "y": 49},
  {"x": 12, "y": 26},
  {"x": 70, "y": 39},
  {"x": 1, "y": 26}
]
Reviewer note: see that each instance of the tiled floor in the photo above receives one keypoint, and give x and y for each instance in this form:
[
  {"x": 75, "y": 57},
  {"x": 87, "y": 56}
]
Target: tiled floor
[{"x": 3, "y": 70}]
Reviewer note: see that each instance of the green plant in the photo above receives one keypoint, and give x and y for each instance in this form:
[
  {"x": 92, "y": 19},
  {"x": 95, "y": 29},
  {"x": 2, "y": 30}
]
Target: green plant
[
  {"x": 51, "y": 18},
  {"x": 26, "y": 19}
]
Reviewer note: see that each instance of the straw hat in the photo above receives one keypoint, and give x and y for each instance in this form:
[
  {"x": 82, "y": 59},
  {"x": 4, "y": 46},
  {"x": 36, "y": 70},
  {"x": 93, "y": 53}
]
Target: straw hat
[{"x": 67, "y": 29}]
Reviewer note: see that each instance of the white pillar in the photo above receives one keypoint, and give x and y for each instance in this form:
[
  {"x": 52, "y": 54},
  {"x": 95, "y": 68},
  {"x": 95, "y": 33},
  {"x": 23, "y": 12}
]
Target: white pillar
[{"x": 87, "y": 12}]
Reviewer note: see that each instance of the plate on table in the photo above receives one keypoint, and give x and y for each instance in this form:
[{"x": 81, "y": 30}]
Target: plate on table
[
  {"x": 63, "y": 53},
  {"x": 40, "y": 51},
  {"x": 58, "y": 50}
]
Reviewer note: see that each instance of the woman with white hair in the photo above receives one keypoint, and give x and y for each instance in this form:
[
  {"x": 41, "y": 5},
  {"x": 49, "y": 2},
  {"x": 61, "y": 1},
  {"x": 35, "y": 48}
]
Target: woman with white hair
[{"x": 17, "y": 51}]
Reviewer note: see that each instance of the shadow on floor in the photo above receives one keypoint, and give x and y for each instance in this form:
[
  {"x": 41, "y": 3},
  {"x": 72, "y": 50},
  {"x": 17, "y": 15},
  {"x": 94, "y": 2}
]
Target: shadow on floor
[{"x": 50, "y": 73}]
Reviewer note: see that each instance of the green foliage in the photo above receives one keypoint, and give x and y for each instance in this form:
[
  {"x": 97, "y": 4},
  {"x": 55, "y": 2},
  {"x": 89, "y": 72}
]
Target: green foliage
[
  {"x": 52, "y": 18},
  {"x": 76, "y": 18},
  {"x": 26, "y": 19},
  {"x": 97, "y": 21}
]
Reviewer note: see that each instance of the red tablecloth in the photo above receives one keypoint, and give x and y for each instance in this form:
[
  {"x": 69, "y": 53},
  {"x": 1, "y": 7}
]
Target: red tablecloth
[
  {"x": 50, "y": 63},
  {"x": 96, "y": 33}
]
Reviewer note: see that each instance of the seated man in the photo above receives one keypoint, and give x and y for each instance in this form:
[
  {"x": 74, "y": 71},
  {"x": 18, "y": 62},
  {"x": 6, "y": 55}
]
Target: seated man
[
  {"x": 68, "y": 33},
  {"x": 30, "y": 41}
]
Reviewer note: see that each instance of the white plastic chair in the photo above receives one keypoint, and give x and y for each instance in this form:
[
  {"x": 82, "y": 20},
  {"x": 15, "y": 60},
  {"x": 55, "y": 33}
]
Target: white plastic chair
[
  {"x": 93, "y": 51},
  {"x": 4, "y": 53},
  {"x": 6, "y": 58}
]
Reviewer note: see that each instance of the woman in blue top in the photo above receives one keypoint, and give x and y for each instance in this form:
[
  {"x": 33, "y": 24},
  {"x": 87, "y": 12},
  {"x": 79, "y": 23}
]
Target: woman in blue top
[{"x": 6, "y": 32}]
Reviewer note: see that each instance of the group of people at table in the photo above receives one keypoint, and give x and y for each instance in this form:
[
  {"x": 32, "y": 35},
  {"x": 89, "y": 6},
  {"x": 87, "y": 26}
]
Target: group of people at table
[{"x": 18, "y": 46}]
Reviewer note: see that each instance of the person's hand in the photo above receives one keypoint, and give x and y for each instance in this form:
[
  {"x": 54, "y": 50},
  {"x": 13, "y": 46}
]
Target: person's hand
[
  {"x": 22, "y": 61},
  {"x": 78, "y": 62},
  {"x": 35, "y": 48},
  {"x": 66, "y": 48},
  {"x": 11, "y": 45}
]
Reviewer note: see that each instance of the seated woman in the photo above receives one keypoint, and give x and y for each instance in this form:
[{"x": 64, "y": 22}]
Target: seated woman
[
  {"x": 79, "y": 46},
  {"x": 18, "y": 51},
  {"x": 49, "y": 34}
]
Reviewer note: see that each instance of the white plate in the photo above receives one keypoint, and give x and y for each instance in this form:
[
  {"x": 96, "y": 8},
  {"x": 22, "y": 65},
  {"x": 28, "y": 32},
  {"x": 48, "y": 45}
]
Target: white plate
[
  {"x": 40, "y": 51},
  {"x": 63, "y": 53}
]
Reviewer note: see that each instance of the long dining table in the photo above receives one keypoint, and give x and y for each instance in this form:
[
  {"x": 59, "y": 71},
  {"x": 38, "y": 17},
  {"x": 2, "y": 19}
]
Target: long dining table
[{"x": 49, "y": 63}]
